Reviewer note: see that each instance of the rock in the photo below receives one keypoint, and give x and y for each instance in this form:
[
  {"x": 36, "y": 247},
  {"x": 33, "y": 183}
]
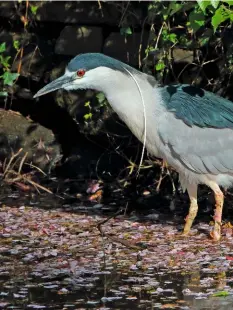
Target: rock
[
  {"x": 74, "y": 40},
  {"x": 18, "y": 132},
  {"x": 8, "y": 9},
  {"x": 124, "y": 48},
  {"x": 77, "y": 12},
  {"x": 182, "y": 55}
]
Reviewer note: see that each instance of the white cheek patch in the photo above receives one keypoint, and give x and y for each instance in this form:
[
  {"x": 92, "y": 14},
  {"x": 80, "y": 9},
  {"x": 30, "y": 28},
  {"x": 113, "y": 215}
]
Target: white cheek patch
[
  {"x": 76, "y": 84},
  {"x": 69, "y": 73},
  {"x": 69, "y": 87}
]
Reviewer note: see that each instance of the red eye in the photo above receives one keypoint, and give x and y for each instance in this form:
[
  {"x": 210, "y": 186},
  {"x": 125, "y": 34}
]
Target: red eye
[{"x": 80, "y": 72}]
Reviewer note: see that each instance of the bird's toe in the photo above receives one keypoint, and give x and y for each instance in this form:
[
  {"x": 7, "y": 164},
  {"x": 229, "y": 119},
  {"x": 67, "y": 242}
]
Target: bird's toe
[{"x": 215, "y": 234}]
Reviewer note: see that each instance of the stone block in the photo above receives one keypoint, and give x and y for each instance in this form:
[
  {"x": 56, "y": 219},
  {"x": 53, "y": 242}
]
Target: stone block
[
  {"x": 8, "y": 9},
  {"x": 182, "y": 55},
  {"x": 81, "y": 12},
  {"x": 124, "y": 48},
  {"x": 74, "y": 40}
]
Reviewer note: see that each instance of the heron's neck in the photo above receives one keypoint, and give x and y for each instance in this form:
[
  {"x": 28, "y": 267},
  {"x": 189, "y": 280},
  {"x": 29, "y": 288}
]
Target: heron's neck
[
  {"x": 132, "y": 104},
  {"x": 137, "y": 107}
]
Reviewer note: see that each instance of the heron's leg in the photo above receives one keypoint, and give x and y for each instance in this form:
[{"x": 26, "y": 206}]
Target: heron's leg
[
  {"x": 192, "y": 192},
  {"x": 219, "y": 200}
]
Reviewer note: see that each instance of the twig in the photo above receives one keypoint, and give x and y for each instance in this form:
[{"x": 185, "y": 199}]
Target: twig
[
  {"x": 21, "y": 162},
  {"x": 115, "y": 239},
  {"x": 100, "y": 7},
  {"x": 171, "y": 179},
  {"x": 123, "y": 15},
  {"x": 25, "y": 178},
  {"x": 107, "y": 219},
  {"x": 10, "y": 161},
  {"x": 37, "y": 185},
  {"x": 124, "y": 242},
  {"x": 159, "y": 35},
  {"x": 37, "y": 168},
  {"x": 161, "y": 177},
  {"x": 99, "y": 226},
  {"x": 126, "y": 208},
  {"x": 186, "y": 66}
]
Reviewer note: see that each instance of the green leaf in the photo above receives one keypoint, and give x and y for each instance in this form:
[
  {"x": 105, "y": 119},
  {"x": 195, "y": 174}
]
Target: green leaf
[
  {"x": 87, "y": 104},
  {"x": 220, "y": 16},
  {"x": 87, "y": 116},
  {"x": 221, "y": 294},
  {"x": 125, "y": 31},
  {"x": 197, "y": 20},
  {"x": 174, "y": 7},
  {"x": 4, "y": 61},
  {"x": 215, "y": 3},
  {"x": 9, "y": 78},
  {"x": 2, "y": 47},
  {"x": 160, "y": 66},
  {"x": 203, "y": 4},
  {"x": 230, "y": 2},
  {"x": 16, "y": 44},
  {"x": 101, "y": 97},
  {"x": 3, "y": 94},
  {"x": 172, "y": 37},
  {"x": 34, "y": 9}
]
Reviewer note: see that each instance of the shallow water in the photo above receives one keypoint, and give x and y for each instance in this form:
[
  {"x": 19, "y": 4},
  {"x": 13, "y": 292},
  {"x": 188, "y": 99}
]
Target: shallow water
[{"x": 54, "y": 257}]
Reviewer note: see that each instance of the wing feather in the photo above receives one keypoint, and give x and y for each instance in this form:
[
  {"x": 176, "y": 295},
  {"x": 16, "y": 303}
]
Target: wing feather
[
  {"x": 195, "y": 106},
  {"x": 202, "y": 150}
]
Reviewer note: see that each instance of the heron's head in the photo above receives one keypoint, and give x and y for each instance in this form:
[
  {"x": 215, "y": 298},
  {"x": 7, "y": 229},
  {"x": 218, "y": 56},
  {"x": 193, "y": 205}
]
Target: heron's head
[{"x": 89, "y": 71}]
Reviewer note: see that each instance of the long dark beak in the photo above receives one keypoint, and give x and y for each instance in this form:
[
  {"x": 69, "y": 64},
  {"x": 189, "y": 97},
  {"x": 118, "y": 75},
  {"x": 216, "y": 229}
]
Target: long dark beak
[{"x": 54, "y": 85}]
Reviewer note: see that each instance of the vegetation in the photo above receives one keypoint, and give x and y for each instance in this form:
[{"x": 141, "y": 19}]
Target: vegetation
[
  {"x": 200, "y": 26},
  {"x": 7, "y": 78},
  {"x": 189, "y": 25}
]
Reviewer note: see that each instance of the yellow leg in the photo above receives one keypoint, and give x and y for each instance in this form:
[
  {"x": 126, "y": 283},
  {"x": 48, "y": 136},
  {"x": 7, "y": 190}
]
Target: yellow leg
[
  {"x": 192, "y": 192},
  {"x": 219, "y": 200}
]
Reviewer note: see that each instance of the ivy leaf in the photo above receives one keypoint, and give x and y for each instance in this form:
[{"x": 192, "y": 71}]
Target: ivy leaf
[
  {"x": 87, "y": 104},
  {"x": 2, "y": 47},
  {"x": 125, "y": 31},
  {"x": 174, "y": 7},
  {"x": 160, "y": 66},
  {"x": 5, "y": 61},
  {"x": 9, "y": 78},
  {"x": 196, "y": 19},
  {"x": 87, "y": 116},
  {"x": 215, "y": 3},
  {"x": 219, "y": 17},
  {"x": 16, "y": 44},
  {"x": 34, "y": 9},
  {"x": 172, "y": 37},
  {"x": 203, "y": 4}
]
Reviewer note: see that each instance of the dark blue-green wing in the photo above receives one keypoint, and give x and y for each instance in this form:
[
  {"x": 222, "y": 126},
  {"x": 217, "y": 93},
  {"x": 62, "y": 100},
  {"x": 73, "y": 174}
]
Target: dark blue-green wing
[{"x": 195, "y": 106}]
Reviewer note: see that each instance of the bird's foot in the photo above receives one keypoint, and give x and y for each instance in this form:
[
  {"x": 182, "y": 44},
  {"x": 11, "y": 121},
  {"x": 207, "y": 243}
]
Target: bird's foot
[
  {"x": 215, "y": 234},
  {"x": 188, "y": 224},
  {"x": 185, "y": 234}
]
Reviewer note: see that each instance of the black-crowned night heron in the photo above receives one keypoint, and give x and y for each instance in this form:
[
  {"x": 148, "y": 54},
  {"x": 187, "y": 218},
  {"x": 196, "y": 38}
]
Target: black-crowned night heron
[{"x": 188, "y": 127}]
